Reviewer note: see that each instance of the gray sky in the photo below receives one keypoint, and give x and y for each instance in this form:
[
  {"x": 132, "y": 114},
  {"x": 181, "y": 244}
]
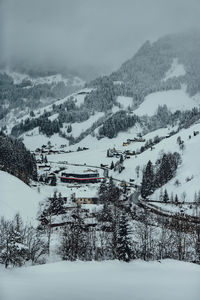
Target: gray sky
[{"x": 98, "y": 33}]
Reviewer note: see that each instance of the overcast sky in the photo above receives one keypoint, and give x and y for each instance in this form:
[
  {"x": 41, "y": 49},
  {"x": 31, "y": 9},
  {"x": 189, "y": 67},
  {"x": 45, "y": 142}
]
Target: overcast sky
[{"x": 98, "y": 33}]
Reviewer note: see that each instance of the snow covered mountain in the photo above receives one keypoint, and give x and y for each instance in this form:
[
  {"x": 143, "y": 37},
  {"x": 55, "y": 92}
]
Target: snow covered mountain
[
  {"x": 139, "y": 128},
  {"x": 21, "y": 92},
  {"x": 154, "y": 93}
]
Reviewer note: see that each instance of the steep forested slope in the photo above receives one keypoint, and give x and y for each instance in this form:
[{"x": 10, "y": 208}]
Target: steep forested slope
[
  {"x": 145, "y": 72},
  {"x": 16, "y": 159}
]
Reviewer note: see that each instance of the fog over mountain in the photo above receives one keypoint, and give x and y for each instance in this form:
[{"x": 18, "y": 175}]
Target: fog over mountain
[{"x": 91, "y": 37}]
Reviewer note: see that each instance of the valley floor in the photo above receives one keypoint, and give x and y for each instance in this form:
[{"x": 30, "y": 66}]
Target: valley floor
[{"x": 113, "y": 280}]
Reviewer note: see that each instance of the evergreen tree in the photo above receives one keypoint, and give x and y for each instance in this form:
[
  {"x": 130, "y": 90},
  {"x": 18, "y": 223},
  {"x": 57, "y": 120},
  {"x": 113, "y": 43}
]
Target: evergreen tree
[
  {"x": 147, "y": 180},
  {"x": 176, "y": 199},
  {"x": 41, "y": 178},
  {"x": 103, "y": 192},
  {"x": 104, "y": 198},
  {"x": 164, "y": 173},
  {"x": 56, "y": 205},
  {"x": 124, "y": 247},
  {"x": 112, "y": 165},
  {"x": 69, "y": 129},
  {"x": 32, "y": 114},
  {"x": 113, "y": 192},
  {"x": 74, "y": 240},
  {"x": 108, "y": 155},
  {"x": 165, "y": 196},
  {"x": 53, "y": 181}
]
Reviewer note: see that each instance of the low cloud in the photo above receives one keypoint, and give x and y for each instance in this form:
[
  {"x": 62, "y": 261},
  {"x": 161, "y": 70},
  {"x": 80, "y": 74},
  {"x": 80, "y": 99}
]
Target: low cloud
[{"x": 99, "y": 34}]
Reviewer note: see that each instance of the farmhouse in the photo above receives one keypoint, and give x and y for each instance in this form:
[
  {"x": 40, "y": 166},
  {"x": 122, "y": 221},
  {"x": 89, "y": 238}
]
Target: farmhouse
[
  {"x": 44, "y": 166},
  {"x": 140, "y": 139},
  {"x": 126, "y": 143},
  {"x": 86, "y": 200}
]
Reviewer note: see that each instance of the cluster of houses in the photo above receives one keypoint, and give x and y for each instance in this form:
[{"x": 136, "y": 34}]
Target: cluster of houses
[
  {"x": 70, "y": 205},
  {"x": 79, "y": 200},
  {"x": 129, "y": 141},
  {"x": 118, "y": 153},
  {"x": 49, "y": 149},
  {"x": 89, "y": 207}
]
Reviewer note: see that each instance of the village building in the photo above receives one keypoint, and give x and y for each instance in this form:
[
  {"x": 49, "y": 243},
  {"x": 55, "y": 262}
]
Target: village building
[
  {"x": 86, "y": 200},
  {"x": 82, "y": 177}
]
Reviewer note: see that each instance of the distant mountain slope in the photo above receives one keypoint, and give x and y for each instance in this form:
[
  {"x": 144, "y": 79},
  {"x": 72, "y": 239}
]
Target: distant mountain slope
[
  {"x": 22, "y": 92},
  {"x": 163, "y": 65},
  {"x": 165, "y": 72},
  {"x": 144, "y": 72}
]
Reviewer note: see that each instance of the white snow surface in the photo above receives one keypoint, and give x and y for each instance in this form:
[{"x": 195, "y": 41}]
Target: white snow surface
[
  {"x": 175, "y": 70},
  {"x": 53, "y": 117},
  {"x": 190, "y": 166},
  {"x": 124, "y": 101},
  {"x": 17, "y": 197},
  {"x": 80, "y": 191},
  {"x": 33, "y": 140},
  {"x": 108, "y": 280},
  {"x": 78, "y": 128},
  {"x": 174, "y": 99}
]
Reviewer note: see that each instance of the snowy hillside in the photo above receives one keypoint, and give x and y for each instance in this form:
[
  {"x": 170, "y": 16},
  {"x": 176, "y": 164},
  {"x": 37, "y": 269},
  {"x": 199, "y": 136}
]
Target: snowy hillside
[
  {"x": 22, "y": 93},
  {"x": 33, "y": 139},
  {"x": 108, "y": 280},
  {"x": 97, "y": 154},
  {"x": 17, "y": 197},
  {"x": 175, "y": 70},
  {"x": 174, "y": 99},
  {"x": 125, "y": 102},
  {"x": 13, "y": 119},
  {"x": 78, "y": 128}
]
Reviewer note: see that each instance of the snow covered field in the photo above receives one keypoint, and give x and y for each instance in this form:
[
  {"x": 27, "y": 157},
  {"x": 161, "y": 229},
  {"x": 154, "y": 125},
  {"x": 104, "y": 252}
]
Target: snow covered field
[
  {"x": 109, "y": 280},
  {"x": 174, "y": 99},
  {"x": 125, "y": 101},
  {"x": 16, "y": 196},
  {"x": 176, "y": 70},
  {"x": 36, "y": 140},
  {"x": 78, "y": 128}
]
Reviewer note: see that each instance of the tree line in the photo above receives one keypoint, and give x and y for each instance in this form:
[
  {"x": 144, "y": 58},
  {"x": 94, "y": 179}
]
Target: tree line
[
  {"x": 155, "y": 176},
  {"x": 16, "y": 159}
]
